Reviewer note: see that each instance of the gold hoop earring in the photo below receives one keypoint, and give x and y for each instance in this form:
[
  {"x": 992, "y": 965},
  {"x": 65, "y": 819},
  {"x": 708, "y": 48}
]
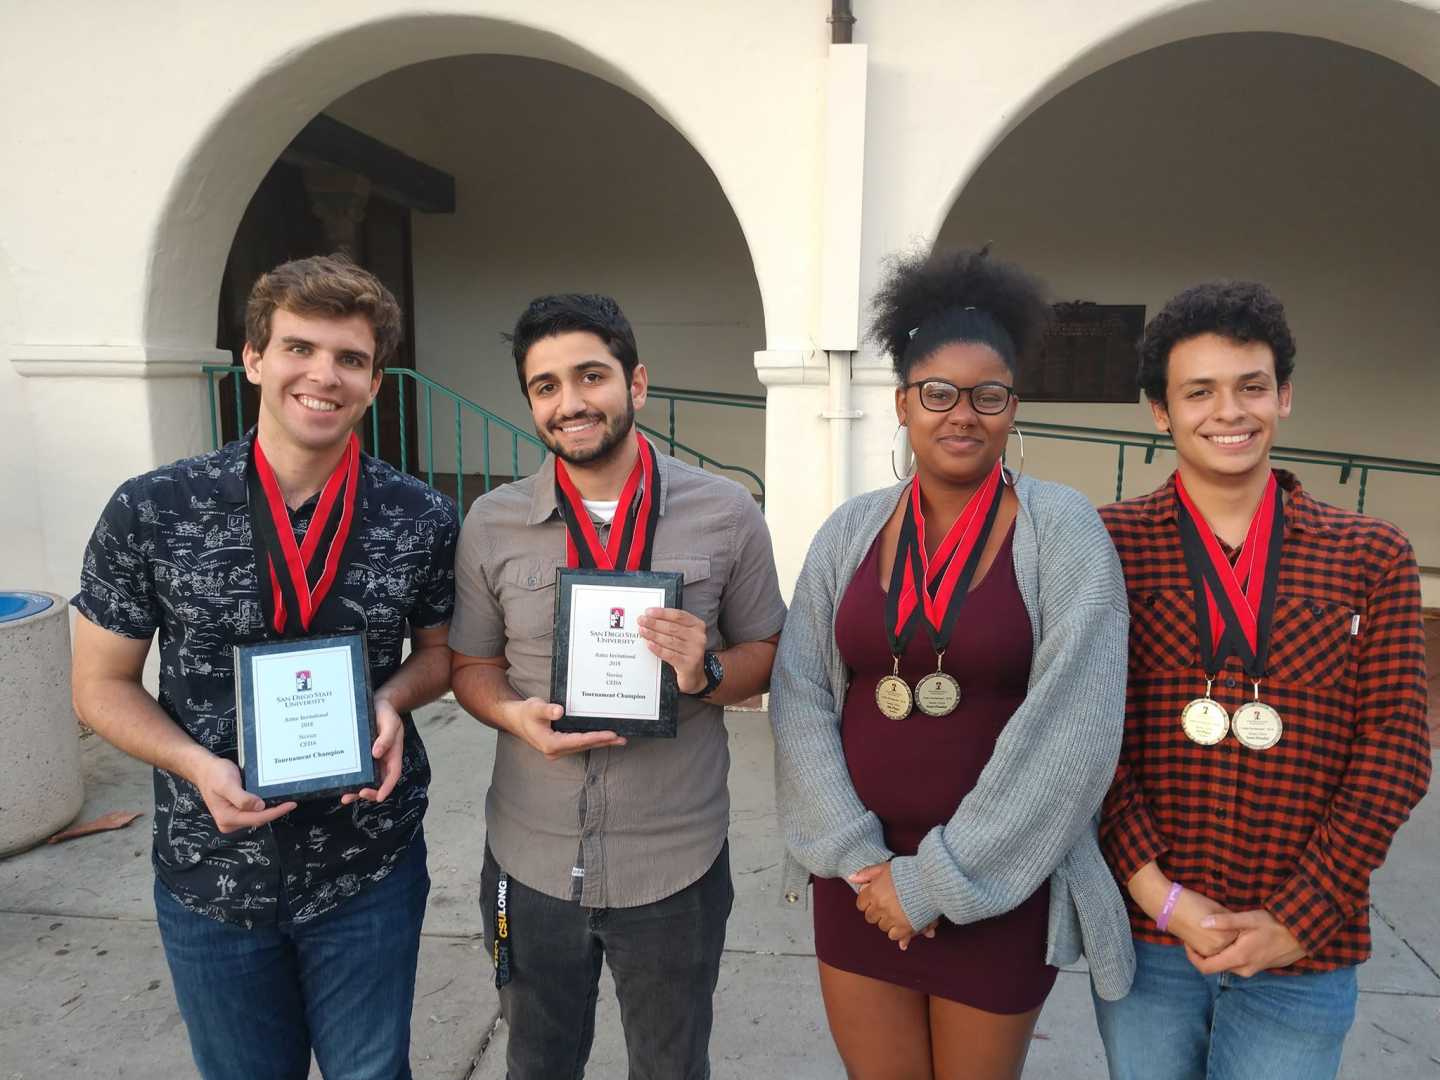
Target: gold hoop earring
[{"x": 894, "y": 445}]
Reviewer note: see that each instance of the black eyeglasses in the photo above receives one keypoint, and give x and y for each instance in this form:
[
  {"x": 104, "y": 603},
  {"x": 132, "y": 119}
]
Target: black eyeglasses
[{"x": 987, "y": 398}]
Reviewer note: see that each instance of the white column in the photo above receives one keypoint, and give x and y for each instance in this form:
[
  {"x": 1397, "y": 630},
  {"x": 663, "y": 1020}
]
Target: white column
[
  {"x": 846, "y": 73},
  {"x": 809, "y": 448},
  {"x": 797, "y": 448}
]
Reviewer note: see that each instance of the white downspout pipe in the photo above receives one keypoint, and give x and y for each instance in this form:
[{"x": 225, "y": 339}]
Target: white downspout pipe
[{"x": 839, "y": 330}]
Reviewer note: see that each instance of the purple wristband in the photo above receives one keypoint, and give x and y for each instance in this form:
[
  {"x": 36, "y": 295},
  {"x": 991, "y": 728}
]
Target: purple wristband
[{"x": 1163, "y": 922}]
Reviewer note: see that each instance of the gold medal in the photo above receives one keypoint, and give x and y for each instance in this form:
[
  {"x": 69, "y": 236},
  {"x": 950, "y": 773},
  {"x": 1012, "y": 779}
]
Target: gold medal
[
  {"x": 1257, "y": 725},
  {"x": 892, "y": 695},
  {"x": 1205, "y": 720},
  {"x": 938, "y": 693}
]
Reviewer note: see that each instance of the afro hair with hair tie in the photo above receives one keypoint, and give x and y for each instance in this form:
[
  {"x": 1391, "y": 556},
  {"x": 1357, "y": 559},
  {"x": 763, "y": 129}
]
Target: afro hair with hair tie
[{"x": 929, "y": 300}]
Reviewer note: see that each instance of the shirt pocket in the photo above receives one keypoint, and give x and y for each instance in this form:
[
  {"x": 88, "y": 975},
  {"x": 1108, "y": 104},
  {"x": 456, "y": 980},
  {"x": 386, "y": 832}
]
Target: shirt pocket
[
  {"x": 701, "y": 596},
  {"x": 1309, "y": 642},
  {"x": 528, "y": 597},
  {"x": 1162, "y": 631}
]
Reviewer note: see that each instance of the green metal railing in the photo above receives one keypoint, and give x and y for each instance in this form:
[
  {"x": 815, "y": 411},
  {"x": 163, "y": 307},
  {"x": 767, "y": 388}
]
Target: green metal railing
[
  {"x": 425, "y": 391},
  {"x": 1348, "y": 464},
  {"x": 672, "y": 395},
  {"x": 705, "y": 460}
]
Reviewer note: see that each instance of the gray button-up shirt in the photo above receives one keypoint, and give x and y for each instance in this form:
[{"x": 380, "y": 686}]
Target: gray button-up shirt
[{"x": 626, "y": 825}]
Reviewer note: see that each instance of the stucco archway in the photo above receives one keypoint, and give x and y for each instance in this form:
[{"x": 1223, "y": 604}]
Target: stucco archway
[
  {"x": 215, "y": 182},
  {"x": 1297, "y": 160}
]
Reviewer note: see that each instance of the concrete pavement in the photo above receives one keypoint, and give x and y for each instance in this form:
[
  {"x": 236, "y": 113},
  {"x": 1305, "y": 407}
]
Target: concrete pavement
[{"x": 85, "y": 991}]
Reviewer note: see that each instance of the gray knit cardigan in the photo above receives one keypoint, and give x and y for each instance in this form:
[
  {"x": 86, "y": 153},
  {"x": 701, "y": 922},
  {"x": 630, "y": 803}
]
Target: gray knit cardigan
[{"x": 1032, "y": 812}]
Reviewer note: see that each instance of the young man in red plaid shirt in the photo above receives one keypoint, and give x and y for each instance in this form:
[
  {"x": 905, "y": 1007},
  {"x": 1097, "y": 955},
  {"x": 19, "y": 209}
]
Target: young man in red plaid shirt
[{"x": 1275, "y": 733}]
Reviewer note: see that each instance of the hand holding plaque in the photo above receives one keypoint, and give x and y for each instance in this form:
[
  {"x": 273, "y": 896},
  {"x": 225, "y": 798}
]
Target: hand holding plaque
[
  {"x": 304, "y": 717},
  {"x": 222, "y": 787},
  {"x": 678, "y": 638},
  {"x": 533, "y": 720},
  {"x": 604, "y": 673}
]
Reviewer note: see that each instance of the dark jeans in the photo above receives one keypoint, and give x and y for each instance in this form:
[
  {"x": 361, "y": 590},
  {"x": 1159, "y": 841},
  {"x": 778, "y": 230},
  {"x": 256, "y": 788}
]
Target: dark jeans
[
  {"x": 664, "y": 957},
  {"x": 257, "y": 1001}
]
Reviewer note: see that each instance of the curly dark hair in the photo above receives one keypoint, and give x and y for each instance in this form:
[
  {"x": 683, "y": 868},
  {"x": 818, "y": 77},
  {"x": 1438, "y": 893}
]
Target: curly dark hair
[
  {"x": 927, "y": 301},
  {"x": 1243, "y": 311}
]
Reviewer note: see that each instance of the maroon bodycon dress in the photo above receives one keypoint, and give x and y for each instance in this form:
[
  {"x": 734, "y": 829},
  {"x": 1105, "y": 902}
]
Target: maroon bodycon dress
[{"x": 913, "y": 773}]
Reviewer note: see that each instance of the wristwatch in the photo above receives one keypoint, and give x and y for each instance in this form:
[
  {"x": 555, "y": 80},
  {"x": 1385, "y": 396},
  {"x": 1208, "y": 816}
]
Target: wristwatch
[{"x": 714, "y": 672}]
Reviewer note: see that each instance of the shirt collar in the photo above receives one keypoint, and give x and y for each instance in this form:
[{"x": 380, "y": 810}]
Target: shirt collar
[
  {"x": 233, "y": 460},
  {"x": 543, "y": 505},
  {"x": 1302, "y": 513}
]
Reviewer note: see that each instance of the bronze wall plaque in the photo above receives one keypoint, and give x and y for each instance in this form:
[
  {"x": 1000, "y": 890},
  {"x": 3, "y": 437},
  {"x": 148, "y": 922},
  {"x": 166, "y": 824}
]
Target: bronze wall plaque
[{"x": 1089, "y": 354}]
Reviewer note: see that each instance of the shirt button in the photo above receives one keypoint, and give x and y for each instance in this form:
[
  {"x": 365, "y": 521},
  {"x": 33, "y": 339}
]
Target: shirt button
[
  {"x": 592, "y": 780},
  {"x": 792, "y": 898},
  {"x": 530, "y": 581},
  {"x": 1230, "y": 683},
  {"x": 1317, "y": 609},
  {"x": 586, "y": 833}
]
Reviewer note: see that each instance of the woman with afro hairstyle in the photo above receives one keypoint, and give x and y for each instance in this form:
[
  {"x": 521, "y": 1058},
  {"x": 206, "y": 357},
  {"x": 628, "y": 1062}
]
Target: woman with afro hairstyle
[{"x": 948, "y": 701}]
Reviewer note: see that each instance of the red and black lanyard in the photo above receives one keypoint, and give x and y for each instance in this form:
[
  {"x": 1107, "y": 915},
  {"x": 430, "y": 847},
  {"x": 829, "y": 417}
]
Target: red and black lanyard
[
  {"x": 632, "y": 533},
  {"x": 947, "y": 576},
  {"x": 301, "y": 575},
  {"x": 1234, "y": 604}
]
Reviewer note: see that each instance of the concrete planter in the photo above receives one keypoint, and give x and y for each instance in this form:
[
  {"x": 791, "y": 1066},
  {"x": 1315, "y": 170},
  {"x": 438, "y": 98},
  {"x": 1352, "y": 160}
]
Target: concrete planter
[{"x": 41, "y": 789}]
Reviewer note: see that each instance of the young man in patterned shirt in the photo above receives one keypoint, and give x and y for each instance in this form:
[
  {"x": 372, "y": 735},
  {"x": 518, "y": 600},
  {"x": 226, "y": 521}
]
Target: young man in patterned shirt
[
  {"x": 1275, "y": 734},
  {"x": 293, "y": 928}
]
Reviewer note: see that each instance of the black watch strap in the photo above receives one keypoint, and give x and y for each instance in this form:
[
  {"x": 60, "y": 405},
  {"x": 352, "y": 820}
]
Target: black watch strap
[{"x": 714, "y": 674}]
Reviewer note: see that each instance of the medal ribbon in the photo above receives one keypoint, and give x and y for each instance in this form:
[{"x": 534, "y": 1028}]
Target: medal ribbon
[
  {"x": 293, "y": 567},
  {"x": 632, "y": 533},
  {"x": 946, "y": 578},
  {"x": 1238, "y": 601}
]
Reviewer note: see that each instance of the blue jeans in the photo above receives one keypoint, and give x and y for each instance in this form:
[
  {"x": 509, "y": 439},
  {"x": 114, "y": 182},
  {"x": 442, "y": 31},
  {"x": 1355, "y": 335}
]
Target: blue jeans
[
  {"x": 256, "y": 1002},
  {"x": 665, "y": 959},
  {"x": 1177, "y": 1024}
]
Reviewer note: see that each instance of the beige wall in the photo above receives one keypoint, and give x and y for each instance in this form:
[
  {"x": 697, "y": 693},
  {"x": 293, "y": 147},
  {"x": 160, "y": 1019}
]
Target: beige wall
[
  {"x": 1308, "y": 165},
  {"x": 566, "y": 183},
  {"x": 186, "y": 106},
  {"x": 23, "y": 565}
]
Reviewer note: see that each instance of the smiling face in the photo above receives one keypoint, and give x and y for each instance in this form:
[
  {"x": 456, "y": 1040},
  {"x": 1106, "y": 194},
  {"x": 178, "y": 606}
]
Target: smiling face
[
  {"x": 581, "y": 402},
  {"x": 316, "y": 378},
  {"x": 959, "y": 446},
  {"x": 1222, "y": 405}
]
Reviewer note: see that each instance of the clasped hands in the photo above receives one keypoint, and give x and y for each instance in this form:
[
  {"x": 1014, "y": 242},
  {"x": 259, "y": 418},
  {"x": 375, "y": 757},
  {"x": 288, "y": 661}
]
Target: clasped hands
[
  {"x": 1217, "y": 939},
  {"x": 880, "y": 904}
]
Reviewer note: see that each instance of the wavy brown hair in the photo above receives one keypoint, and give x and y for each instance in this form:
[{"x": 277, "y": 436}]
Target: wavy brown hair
[{"x": 327, "y": 286}]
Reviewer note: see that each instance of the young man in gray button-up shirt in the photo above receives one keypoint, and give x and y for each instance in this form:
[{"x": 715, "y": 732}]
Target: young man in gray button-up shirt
[{"x": 599, "y": 846}]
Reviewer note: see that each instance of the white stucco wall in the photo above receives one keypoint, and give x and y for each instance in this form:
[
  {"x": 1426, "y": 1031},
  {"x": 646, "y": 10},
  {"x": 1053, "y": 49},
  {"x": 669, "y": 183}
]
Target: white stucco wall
[
  {"x": 947, "y": 87},
  {"x": 567, "y": 183},
  {"x": 187, "y": 109},
  {"x": 134, "y": 136},
  {"x": 23, "y": 566},
  {"x": 1305, "y": 164}
]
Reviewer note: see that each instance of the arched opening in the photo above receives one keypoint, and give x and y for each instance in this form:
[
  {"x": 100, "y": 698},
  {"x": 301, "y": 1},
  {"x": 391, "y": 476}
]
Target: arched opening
[
  {"x": 565, "y": 178},
  {"x": 1294, "y": 160}
]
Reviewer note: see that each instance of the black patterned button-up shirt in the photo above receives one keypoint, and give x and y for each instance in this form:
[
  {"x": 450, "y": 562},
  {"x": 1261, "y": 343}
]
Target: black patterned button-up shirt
[{"x": 173, "y": 552}]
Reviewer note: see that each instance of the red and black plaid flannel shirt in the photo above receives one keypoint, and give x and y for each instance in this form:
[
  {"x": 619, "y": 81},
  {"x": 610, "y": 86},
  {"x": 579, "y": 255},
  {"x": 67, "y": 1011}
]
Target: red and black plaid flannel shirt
[{"x": 1299, "y": 828}]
